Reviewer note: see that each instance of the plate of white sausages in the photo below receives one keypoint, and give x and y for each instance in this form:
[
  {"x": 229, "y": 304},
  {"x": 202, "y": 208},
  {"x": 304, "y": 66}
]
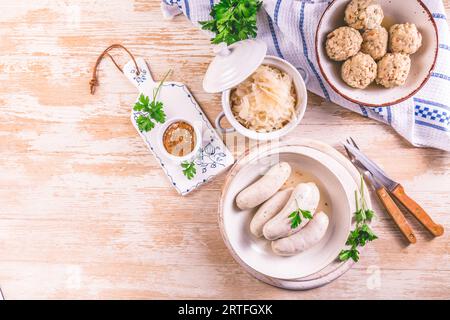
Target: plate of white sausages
[{"x": 286, "y": 211}]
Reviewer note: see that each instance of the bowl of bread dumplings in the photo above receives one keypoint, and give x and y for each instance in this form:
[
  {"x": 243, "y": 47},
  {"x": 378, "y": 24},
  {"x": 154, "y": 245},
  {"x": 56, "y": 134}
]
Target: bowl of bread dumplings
[{"x": 376, "y": 52}]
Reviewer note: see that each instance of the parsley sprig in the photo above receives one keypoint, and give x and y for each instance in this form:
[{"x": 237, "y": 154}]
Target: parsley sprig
[
  {"x": 151, "y": 111},
  {"x": 296, "y": 216},
  {"x": 233, "y": 20},
  {"x": 189, "y": 169},
  {"x": 362, "y": 232}
]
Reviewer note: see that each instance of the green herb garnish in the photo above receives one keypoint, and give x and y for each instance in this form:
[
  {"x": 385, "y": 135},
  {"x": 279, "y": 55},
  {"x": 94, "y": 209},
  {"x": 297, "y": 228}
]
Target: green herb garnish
[
  {"x": 151, "y": 110},
  {"x": 362, "y": 233},
  {"x": 233, "y": 20},
  {"x": 189, "y": 169},
  {"x": 296, "y": 216}
]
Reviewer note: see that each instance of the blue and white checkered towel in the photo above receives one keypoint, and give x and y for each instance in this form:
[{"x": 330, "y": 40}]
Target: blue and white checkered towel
[{"x": 288, "y": 27}]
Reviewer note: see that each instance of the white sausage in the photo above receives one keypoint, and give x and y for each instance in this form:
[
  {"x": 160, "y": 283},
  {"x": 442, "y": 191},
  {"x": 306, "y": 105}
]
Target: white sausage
[
  {"x": 306, "y": 238},
  {"x": 269, "y": 208},
  {"x": 306, "y": 197},
  {"x": 265, "y": 187}
]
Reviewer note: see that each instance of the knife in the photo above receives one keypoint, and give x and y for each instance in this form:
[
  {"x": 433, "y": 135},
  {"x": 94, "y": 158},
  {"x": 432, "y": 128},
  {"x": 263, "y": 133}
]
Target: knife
[
  {"x": 392, "y": 208},
  {"x": 388, "y": 203},
  {"x": 397, "y": 190}
]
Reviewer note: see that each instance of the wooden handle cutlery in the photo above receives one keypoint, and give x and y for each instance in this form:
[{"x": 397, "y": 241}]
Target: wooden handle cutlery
[{"x": 385, "y": 187}]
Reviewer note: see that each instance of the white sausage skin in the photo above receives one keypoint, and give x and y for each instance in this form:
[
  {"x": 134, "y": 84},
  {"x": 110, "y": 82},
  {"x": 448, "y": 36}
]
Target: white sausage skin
[
  {"x": 308, "y": 237},
  {"x": 269, "y": 208},
  {"x": 305, "y": 196},
  {"x": 265, "y": 187}
]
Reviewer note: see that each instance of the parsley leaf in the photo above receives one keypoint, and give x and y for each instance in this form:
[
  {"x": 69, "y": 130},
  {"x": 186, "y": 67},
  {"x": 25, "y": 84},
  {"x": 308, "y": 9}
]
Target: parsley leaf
[
  {"x": 360, "y": 215},
  {"x": 157, "y": 111},
  {"x": 233, "y": 20},
  {"x": 142, "y": 103},
  {"x": 306, "y": 214},
  {"x": 151, "y": 111},
  {"x": 189, "y": 169},
  {"x": 352, "y": 253},
  {"x": 296, "y": 217},
  {"x": 370, "y": 214},
  {"x": 362, "y": 232},
  {"x": 145, "y": 123}
]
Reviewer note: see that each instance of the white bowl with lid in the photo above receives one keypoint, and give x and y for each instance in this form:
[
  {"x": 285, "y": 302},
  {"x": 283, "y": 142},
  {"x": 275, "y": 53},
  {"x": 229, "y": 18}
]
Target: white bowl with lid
[{"x": 234, "y": 64}]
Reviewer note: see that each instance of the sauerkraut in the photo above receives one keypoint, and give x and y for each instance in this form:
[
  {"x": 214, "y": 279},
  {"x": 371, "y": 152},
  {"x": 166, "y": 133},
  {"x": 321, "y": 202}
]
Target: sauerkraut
[{"x": 265, "y": 101}]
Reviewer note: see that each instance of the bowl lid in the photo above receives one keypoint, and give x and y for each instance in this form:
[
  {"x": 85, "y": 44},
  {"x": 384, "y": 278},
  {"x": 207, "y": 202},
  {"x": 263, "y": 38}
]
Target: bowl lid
[{"x": 233, "y": 64}]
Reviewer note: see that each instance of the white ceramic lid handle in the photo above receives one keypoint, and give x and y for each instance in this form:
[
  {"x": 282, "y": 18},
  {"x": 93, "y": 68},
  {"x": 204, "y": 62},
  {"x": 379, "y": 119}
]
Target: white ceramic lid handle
[
  {"x": 222, "y": 49},
  {"x": 304, "y": 74},
  {"x": 219, "y": 126}
]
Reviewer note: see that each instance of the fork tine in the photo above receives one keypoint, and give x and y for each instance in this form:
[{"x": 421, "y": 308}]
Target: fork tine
[
  {"x": 348, "y": 153},
  {"x": 354, "y": 143}
]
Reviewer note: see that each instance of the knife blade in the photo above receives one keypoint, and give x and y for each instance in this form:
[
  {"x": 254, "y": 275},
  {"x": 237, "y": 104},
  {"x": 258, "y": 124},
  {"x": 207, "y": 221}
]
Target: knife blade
[
  {"x": 397, "y": 190},
  {"x": 371, "y": 166}
]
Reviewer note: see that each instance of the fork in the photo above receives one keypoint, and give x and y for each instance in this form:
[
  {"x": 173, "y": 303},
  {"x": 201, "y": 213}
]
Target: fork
[{"x": 382, "y": 193}]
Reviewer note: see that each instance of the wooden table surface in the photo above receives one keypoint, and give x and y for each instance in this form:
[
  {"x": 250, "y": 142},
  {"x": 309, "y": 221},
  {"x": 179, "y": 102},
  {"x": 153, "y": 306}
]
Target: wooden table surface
[{"x": 86, "y": 212}]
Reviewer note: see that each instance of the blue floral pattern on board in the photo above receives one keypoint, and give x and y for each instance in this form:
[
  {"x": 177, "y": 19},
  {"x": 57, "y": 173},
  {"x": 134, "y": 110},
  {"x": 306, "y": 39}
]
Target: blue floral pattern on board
[
  {"x": 210, "y": 156},
  {"x": 141, "y": 77}
]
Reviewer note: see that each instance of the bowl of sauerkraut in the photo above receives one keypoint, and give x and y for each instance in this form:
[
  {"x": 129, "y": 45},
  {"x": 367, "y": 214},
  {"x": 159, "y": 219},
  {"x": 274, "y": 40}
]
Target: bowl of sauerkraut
[{"x": 268, "y": 104}]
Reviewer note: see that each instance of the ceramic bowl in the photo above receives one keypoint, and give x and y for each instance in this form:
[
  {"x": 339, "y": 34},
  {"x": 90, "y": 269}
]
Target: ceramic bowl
[
  {"x": 422, "y": 62},
  {"x": 187, "y": 157},
  {"x": 302, "y": 98},
  {"x": 337, "y": 189}
]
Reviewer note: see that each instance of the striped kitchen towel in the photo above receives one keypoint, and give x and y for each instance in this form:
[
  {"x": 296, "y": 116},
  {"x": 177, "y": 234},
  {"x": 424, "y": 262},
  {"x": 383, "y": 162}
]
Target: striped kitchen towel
[{"x": 288, "y": 27}]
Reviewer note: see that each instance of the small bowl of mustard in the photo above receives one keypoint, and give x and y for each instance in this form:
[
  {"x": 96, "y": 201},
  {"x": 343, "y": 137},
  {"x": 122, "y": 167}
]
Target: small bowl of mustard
[{"x": 179, "y": 139}]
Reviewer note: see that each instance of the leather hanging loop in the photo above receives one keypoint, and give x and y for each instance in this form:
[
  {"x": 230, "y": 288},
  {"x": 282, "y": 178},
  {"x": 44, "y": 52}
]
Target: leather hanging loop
[{"x": 94, "y": 81}]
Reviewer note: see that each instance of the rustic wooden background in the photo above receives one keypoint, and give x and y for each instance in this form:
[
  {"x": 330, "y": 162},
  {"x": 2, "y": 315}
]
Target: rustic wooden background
[{"x": 85, "y": 211}]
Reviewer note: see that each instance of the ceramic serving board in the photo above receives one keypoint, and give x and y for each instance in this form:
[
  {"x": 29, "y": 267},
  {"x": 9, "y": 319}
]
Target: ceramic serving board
[{"x": 213, "y": 157}]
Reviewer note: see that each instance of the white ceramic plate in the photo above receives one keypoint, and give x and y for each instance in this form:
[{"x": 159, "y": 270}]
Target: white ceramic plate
[
  {"x": 332, "y": 271},
  {"x": 337, "y": 199},
  {"x": 422, "y": 62}
]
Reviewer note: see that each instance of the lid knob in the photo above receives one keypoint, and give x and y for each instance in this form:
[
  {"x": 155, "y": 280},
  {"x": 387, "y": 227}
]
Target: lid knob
[{"x": 222, "y": 49}]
